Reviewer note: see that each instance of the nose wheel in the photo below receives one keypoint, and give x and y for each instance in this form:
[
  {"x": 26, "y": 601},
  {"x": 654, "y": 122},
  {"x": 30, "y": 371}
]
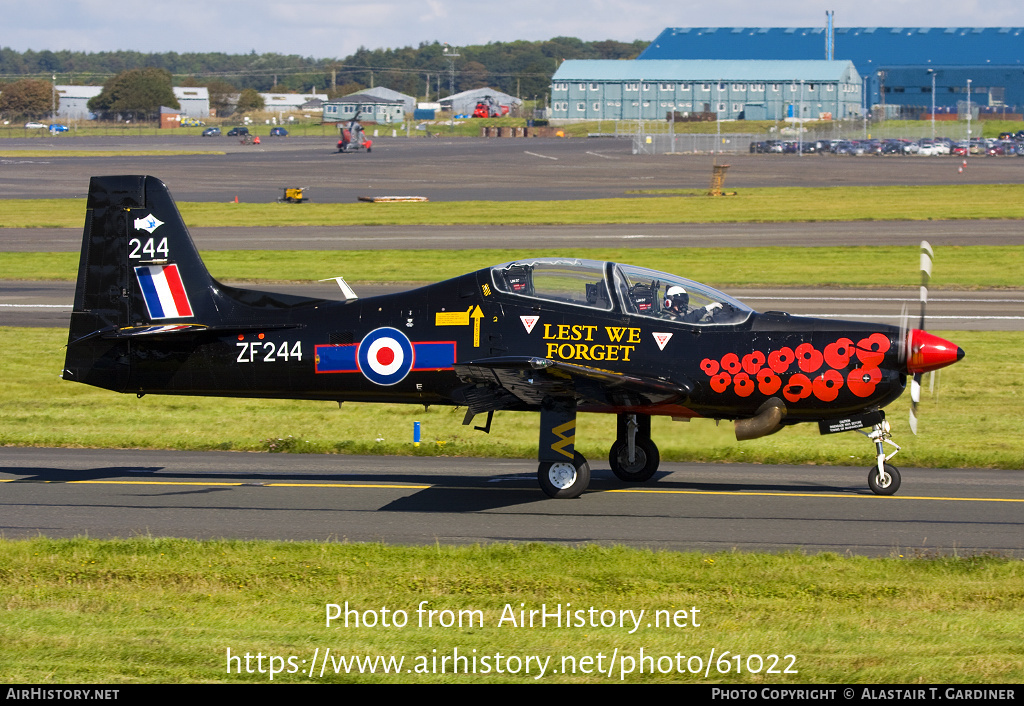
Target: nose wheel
[
  {"x": 885, "y": 481},
  {"x": 883, "y": 478}
]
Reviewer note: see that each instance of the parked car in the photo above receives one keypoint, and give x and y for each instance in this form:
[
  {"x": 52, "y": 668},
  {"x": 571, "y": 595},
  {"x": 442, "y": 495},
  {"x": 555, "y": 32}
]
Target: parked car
[
  {"x": 278, "y": 132},
  {"x": 852, "y": 147},
  {"x": 211, "y": 132},
  {"x": 238, "y": 131}
]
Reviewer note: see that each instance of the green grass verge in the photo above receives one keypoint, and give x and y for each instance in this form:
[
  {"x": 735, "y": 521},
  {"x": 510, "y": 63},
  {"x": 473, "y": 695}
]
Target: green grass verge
[
  {"x": 167, "y": 611},
  {"x": 975, "y": 422},
  {"x": 470, "y": 127},
  {"x": 974, "y": 267},
  {"x": 763, "y": 205}
]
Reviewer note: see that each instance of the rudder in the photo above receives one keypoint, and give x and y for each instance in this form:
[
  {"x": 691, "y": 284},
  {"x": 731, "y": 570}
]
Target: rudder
[{"x": 138, "y": 268}]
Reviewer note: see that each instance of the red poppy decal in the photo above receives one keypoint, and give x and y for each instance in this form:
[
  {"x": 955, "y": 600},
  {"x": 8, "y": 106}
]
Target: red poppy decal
[
  {"x": 752, "y": 362},
  {"x": 838, "y": 354},
  {"x": 780, "y": 360},
  {"x": 862, "y": 381},
  {"x": 871, "y": 350},
  {"x": 720, "y": 382},
  {"x": 798, "y": 388},
  {"x": 731, "y": 363},
  {"x": 768, "y": 383},
  {"x": 744, "y": 386},
  {"x": 769, "y": 372},
  {"x": 809, "y": 357},
  {"x": 826, "y": 386}
]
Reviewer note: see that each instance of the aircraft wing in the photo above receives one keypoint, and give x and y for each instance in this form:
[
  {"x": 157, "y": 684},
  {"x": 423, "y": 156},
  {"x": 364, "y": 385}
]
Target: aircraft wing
[{"x": 514, "y": 382}]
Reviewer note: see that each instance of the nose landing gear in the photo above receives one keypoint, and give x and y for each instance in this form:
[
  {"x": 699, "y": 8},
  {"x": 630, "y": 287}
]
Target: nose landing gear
[{"x": 883, "y": 478}]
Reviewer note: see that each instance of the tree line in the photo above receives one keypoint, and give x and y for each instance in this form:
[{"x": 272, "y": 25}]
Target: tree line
[{"x": 519, "y": 68}]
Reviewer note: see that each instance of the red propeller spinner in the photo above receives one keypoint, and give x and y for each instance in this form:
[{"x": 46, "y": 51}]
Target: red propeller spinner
[{"x": 929, "y": 352}]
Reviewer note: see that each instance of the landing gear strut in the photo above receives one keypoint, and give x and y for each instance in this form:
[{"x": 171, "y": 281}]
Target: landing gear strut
[
  {"x": 883, "y": 478},
  {"x": 563, "y": 471},
  {"x": 634, "y": 456}
]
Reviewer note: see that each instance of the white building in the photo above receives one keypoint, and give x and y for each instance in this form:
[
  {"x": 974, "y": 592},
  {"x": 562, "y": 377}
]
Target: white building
[
  {"x": 74, "y": 100},
  {"x": 389, "y": 94},
  {"x": 368, "y": 109},
  {"x": 465, "y": 102}
]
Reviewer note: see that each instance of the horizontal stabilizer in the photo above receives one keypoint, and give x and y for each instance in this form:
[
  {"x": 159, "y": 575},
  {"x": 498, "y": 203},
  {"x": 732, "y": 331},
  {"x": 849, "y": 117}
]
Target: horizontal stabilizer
[{"x": 180, "y": 329}]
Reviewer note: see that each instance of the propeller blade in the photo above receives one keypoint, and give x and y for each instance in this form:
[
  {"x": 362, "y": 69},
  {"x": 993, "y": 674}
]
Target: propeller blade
[
  {"x": 927, "y": 257},
  {"x": 915, "y": 400},
  {"x": 904, "y": 341}
]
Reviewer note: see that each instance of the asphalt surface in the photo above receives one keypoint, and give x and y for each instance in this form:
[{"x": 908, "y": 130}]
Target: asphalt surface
[
  {"x": 461, "y": 169},
  {"x": 711, "y": 507},
  {"x": 694, "y": 506}
]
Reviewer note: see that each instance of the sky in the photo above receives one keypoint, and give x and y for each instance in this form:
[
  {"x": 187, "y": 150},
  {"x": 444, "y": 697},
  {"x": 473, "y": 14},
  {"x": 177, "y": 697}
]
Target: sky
[{"x": 337, "y": 28}]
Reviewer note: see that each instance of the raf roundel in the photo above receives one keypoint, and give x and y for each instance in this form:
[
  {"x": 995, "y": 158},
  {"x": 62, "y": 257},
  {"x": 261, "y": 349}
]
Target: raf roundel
[{"x": 385, "y": 356}]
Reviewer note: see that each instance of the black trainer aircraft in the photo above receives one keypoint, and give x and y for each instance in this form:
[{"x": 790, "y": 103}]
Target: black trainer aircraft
[{"x": 555, "y": 335}]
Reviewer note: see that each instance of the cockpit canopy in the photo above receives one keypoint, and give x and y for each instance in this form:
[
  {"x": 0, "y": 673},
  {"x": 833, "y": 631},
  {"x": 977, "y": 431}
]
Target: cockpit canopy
[{"x": 609, "y": 286}]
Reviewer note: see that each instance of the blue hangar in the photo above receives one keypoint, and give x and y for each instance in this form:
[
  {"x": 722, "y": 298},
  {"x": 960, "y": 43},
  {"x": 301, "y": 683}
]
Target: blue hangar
[
  {"x": 897, "y": 64},
  {"x": 732, "y": 89}
]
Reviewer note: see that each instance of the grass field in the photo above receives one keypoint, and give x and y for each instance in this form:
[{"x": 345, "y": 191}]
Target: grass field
[
  {"x": 469, "y": 127},
  {"x": 761, "y": 205},
  {"x": 167, "y": 611}
]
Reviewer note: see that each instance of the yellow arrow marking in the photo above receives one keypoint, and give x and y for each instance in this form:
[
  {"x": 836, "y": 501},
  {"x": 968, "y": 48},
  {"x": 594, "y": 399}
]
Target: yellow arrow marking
[{"x": 477, "y": 315}]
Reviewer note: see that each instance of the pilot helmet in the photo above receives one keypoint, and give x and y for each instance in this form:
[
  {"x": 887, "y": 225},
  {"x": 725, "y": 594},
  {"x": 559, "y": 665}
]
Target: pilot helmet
[{"x": 677, "y": 299}]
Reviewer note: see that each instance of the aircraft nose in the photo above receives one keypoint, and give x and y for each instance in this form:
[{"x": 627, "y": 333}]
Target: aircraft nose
[{"x": 929, "y": 352}]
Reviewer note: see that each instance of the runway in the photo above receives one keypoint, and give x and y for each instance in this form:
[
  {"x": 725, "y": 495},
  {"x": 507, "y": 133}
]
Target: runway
[
  {"x": 708, "y": 507},
  {"x": 460, "y": 169}
]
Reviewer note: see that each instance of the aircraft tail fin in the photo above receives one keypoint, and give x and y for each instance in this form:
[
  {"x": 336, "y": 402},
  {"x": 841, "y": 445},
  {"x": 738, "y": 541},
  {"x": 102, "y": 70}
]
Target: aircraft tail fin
[{"x": 138, "y": 268}]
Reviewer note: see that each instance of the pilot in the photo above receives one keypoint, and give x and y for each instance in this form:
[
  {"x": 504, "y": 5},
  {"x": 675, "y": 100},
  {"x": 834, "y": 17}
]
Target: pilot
[{"x": 677, "y": 303}]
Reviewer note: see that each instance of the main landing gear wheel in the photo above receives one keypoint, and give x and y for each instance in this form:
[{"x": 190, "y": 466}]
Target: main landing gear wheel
[
  {"x": 884, "y": 484},
  {"x": 645, "y": 460},
  {"x": 564, "y": 479}
]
